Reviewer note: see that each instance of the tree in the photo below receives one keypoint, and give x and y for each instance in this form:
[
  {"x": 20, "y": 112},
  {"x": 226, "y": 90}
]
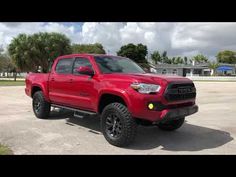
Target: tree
[
  {"x": 7, "y": 65},
  {"x": 1, "y": 49},
  {"x": 142, "y": 52},
  {"x": 135, "y": 52},
  {"x": 200, "y": 59},
  {"x": 179, "y": 60},
  {"x": 156, "y": 57},
  {"x": 173, "y": 60},
  {"x": 31, "y": 51},
  {"x": 96, "y": 48},
  {"x": 2, "y": 63},
  {"x": 185, "y": 60},
  {"x": 165, "y": 59},
  {"x": 213, "y": 65},
  {"x": 190, "y": 61},
  {"x": 226, "y": 56}
]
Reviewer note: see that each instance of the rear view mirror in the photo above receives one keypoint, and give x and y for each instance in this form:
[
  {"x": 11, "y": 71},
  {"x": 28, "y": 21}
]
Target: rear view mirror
[{"x": 85, "y": 70}]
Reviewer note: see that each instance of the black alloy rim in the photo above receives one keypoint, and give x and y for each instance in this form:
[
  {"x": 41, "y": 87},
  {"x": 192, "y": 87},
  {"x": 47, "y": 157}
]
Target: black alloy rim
[
  {"x": 37, "y": 105},
  {"x": 113, "y": 126}
]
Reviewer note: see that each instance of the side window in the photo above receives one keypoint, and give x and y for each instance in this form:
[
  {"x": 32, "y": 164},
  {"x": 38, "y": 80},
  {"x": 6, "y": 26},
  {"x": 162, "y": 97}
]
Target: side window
[
  {"x": 164, "y": 71},
  {"x": 175, "y": 72},
  {"x": 64, "y": 66},
  {"x": 81, "y": 62}
]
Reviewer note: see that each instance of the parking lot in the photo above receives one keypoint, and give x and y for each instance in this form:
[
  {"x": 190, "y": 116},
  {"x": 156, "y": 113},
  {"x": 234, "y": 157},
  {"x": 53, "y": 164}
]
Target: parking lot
[{"x": 210, "y": 131}]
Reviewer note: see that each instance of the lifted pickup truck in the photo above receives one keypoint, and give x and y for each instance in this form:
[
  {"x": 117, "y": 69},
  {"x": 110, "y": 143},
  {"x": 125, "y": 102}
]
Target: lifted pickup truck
[{"x": 116, "y": 89}]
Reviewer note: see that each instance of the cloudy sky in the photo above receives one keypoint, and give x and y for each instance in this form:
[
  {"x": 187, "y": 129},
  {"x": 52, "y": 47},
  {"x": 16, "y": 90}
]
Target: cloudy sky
[{"x": 178, "y": 39}]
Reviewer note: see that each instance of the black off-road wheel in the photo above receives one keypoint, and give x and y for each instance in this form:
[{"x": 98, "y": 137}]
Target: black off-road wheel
[
  {"x": 41, "y": 107},
  {"x": 171, "y": 125},
  {"x": 117, "y": 125}
]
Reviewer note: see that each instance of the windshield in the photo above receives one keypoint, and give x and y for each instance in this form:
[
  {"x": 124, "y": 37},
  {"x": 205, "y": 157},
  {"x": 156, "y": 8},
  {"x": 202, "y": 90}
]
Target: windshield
[{"x": 110, "y": 64}]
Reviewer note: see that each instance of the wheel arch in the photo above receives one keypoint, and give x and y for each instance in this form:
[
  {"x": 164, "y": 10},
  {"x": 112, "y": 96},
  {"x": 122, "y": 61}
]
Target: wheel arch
[
  {"x": 34, "y": 89},
  {"x": 37, "y": 87},
  {"x": 108, "y": 97}
]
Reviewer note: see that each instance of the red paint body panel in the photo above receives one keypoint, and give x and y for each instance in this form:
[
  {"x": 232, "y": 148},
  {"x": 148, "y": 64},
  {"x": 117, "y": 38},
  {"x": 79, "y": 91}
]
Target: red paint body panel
[{"x": 84, "y": 92}]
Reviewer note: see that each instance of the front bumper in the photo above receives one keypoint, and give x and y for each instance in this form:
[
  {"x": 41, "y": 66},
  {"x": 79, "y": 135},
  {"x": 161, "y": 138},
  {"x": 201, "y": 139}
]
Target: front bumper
[{"x": 174, "y": 114}]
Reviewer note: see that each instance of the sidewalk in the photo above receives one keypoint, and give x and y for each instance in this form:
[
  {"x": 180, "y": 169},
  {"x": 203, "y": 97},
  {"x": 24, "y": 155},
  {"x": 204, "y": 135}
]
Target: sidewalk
[{"x": 18, "y": 79}]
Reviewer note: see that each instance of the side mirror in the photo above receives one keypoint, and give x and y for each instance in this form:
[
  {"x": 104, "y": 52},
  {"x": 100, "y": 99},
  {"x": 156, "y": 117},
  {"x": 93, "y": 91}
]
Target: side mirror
[{"x": 85, "y": 70}]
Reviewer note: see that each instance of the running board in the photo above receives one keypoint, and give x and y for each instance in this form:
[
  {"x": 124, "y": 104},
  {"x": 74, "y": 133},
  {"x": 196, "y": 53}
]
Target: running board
[
  {"x": 74, "y": 109},
  {"x": 79, "y": 115}
]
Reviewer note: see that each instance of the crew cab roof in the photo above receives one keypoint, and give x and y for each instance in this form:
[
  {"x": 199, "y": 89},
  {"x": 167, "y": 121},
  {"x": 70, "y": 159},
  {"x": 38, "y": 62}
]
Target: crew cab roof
[{"x": 84, "y": 54}]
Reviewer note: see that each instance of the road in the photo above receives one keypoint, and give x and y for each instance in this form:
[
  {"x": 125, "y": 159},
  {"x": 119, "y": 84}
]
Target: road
[{"x": 210, "y": 131}]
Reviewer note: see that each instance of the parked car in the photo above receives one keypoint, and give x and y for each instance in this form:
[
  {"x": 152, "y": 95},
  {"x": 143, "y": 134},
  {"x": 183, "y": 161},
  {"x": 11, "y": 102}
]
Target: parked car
[{"x": 116, "y": 89}]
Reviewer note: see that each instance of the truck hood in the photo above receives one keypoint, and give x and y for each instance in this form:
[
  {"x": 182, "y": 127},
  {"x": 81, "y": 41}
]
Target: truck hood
[{"x": 145, "y": 78}]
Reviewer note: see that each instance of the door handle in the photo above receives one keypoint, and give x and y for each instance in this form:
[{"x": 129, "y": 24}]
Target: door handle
[
  {"x": 71, "y": 80},
  {"x": 52, "y": 79}
]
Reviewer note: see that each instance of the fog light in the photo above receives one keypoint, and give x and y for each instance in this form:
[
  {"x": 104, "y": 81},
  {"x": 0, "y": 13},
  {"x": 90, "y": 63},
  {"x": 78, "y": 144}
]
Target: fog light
[{"x": 150, "y": 106}]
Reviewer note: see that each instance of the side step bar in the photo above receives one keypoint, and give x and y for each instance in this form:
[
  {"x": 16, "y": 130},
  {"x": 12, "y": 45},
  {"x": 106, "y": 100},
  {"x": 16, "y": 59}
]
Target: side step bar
[{"x": 75, "y": 110}]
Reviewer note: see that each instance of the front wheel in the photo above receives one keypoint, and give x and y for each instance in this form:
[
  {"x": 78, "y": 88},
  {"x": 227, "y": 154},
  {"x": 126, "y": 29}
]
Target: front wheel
[
  {"x": 117, "y": 125},
  {"x": 41, "y": 107},
  {"x": 172, "y": 125}
]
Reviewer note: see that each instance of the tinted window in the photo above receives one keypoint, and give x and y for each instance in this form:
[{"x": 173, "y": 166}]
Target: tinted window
[
  {"x": 117, "y": 65},
  {"x": 81, "y": 62},
  {"x": 64, "y": 66}
]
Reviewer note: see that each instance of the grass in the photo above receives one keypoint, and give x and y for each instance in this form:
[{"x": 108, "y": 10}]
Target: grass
[
  {"x": 12, "y": 83},
  {"x": 4, "y": 150}
]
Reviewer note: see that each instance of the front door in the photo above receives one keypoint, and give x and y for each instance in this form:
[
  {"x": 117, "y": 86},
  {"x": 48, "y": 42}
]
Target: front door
[{"x": 82, "y": 88}]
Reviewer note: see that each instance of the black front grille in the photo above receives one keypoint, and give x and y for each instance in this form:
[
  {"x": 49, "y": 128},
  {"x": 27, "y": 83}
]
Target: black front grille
[
  {"x": 158, "y": 106},
  {"x": 180, "y": 91}
]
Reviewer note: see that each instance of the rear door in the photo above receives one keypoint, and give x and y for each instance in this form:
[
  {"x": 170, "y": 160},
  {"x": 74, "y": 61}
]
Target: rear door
[{"x": 60, "y": 81}]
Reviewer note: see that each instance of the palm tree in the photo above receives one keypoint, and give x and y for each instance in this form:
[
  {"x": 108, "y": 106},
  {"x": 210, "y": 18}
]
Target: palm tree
[
  {"x": 213, "y": 65},
  {"x": 156, "y": 57},
  {"x": 200, "y": 59},
  {"x": 31, "y": 51},
  {"x": 185, "y": 60}
]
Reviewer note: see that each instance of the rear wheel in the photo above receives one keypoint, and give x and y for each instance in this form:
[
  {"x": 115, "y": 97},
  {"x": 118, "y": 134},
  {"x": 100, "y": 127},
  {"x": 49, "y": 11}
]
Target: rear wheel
[
  {"x": 41, "y": 107},
  {"x": 117, "y": 124},
  {"x": 172, "y": 125}
]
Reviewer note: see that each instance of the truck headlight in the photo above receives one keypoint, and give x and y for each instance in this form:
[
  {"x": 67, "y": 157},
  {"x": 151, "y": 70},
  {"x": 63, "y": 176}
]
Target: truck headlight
[{"x": 146, "y": 88}]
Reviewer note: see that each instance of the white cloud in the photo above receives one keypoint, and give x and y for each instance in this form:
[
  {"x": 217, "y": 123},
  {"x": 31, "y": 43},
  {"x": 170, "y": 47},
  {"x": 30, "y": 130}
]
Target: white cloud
[
  {"x": 207, "y": 38},
  {"x": 10, "y": 30},
  {"x": 106, "y": 33},
  {"x": 191, "y": 53},
  {"x": 178, "y": 39}
]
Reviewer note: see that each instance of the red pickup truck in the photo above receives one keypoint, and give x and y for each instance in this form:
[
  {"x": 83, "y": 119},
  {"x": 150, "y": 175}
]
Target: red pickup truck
[{"x": 116, "y": 89}]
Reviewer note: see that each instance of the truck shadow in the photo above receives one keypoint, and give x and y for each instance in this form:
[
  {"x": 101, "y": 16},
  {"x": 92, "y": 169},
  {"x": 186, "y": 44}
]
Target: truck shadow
[
  {"x": 188, "y": 138},
  {"x": 90, "y": 122},
  {"x": 60, "y": 115}
]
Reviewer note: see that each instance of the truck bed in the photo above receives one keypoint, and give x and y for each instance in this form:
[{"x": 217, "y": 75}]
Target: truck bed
[{"x": 36, "y": 79}]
